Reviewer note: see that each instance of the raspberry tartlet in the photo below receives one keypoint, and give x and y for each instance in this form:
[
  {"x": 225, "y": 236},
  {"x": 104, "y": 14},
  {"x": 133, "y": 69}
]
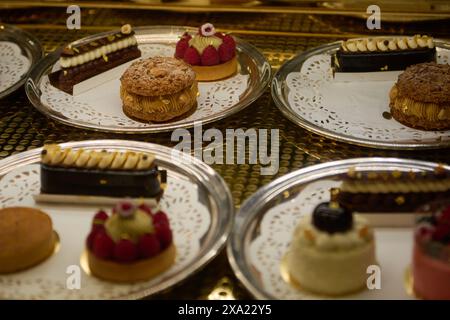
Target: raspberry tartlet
[
  {"x": 431, "y": 255},
  {"x": 211, "y": 54},
  {"x": 132, "y": 244}
]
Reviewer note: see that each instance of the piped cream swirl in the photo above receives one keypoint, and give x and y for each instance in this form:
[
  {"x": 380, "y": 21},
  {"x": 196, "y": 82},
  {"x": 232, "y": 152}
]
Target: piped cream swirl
[{"x": 309, "y": 236}]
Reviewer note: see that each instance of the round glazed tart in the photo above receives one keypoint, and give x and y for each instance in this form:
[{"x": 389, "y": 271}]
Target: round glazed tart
[
  {"x": 134, "y": 271},
  {"x": 217, "y": 72},
  {"x": 27, "y": 238}
]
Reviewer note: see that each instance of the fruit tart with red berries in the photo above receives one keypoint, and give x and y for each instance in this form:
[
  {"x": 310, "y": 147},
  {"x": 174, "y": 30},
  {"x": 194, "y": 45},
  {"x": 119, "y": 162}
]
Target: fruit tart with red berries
[
  {"x": 132, "y": 244},
  {"x": 211, "y": 54}
]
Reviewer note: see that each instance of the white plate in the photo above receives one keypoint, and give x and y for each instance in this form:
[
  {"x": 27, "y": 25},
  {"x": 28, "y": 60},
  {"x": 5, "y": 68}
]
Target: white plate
[
  {"x": 197, "y": 201},
  {"x": 101, "y": 108}
]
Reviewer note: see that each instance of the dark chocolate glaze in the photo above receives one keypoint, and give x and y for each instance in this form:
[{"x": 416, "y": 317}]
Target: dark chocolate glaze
[
  {"x": 344, "y": 61},
  {"x": 95, "y": 182}
]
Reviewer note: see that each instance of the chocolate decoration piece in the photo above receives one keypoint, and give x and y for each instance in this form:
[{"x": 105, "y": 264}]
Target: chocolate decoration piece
[
  {"x": 344, "y": 61},
  {"x": 332, "y": 218}
]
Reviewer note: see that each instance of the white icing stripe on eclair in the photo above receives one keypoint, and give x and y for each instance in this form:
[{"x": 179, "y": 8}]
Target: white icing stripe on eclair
[{"x": 97, "y": 53}]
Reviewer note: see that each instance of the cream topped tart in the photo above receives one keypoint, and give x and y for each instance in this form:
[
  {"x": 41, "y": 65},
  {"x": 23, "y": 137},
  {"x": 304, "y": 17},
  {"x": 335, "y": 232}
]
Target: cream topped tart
[
  {"x": 132, "y": 244},
  {"x": 100, "y": 173},
  {"x": 330, "y": 251},
  {"x": 211, "y": 54}
]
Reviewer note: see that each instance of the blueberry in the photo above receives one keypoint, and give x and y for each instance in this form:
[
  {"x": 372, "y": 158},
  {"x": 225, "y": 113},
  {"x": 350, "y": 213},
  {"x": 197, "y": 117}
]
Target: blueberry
[{"x": 332, "y": 218}]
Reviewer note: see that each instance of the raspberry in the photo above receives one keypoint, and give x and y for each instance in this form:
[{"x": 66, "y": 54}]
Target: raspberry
[
  {"x": 148, "y": 246},
  {"x": 229, "y": 41},
  {"x": 181, "y": 48},
  {"x": 226, "y": 52},
  {"x": 424, "y": 233},
  {"x": 191, "y": 56},
  {"x": 91, "y": 237},
  {"x": 444, "y": 217},
  {"x": 164, "y": 234},
  {"x": 100, "y": 217},
  {"x": 103, "y": 245},
  {"x": 98, "y": 227},
  {"x": 441, "y": 232},
  {"x": 186, "y": 36},
  {"x": 210, "y": 56},
  {"x": 125, "y": 251},
  {"x": 146, "y": 208},
  {"x": 160, "y": 218}
]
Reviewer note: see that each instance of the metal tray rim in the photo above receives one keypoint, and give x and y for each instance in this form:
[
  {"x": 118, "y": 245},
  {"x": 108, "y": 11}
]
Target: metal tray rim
[
  {"x": 44, "y": 64},
  {"x": 211, "y": 180},
  {"x": 251, "y": 207},
  {"x": 283, "y": 105},
  {"x": 30, "y": 42}
]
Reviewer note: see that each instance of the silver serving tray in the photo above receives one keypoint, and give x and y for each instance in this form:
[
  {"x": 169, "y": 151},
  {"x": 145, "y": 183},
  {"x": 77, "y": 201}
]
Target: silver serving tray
[
  {"x": 248, "y": 220},
  {"x": 280, "y": 91},
  {"x": 30, "y": 47},
  {"x": 251, "y": 61},
  {"x": 213, "y": 194}
]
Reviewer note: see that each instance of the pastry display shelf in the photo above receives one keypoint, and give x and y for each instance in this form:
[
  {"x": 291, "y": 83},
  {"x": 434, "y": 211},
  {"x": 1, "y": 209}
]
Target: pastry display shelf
[{"x": 279, "y": 35}]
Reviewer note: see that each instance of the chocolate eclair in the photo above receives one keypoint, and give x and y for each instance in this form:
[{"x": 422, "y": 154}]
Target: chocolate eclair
[
  {"x": 100, "y": 173},
  {"x": 383, "y": 53},
  {"x": 396, "y": 191},
  {"x": 81, "y": 61}
]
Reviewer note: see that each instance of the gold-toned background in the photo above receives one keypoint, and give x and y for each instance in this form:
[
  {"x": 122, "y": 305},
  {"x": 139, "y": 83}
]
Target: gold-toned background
[{"x": 278, "y": 35}]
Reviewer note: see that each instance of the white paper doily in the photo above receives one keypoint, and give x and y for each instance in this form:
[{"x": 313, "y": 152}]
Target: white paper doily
[
  {"x": 393, "y": 248},
  {"x": 189, "y": 220},
  {"x": 13, "y": 64},
  {"x": 352, "y": 109},
  {"x": 103, "y": 106}
]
